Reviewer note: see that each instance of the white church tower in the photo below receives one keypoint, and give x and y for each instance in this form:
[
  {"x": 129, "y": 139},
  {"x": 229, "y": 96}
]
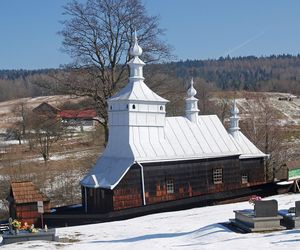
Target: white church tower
[
  {"x": 136, "y": 105},
  {"x": 234, "y": 120},
  {"x": 191, "y": 104}
]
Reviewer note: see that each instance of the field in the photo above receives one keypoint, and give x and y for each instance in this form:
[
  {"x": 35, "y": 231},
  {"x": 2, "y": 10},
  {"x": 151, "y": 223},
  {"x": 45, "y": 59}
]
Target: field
[{"x": 70, "y": 158}]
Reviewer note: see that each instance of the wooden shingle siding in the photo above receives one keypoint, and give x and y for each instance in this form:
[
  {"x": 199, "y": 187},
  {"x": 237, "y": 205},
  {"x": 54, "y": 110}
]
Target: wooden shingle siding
[{"x": 190, "y": 178}]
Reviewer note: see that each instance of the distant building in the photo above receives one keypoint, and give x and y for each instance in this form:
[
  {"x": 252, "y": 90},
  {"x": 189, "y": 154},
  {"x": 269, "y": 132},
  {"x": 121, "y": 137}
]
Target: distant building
[
  {"x": 289, "y": 174},
  {"x": 85, "y": 117},
  {"x": 68, "y": 117},
  {"x": 23, "y": 200},
  {"x": 46, "y": 109},
  {"x": 151, "y": 158}
]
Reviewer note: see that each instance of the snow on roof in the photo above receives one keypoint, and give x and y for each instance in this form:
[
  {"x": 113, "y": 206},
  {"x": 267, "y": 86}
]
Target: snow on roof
[{"x": 137, "y": 91}]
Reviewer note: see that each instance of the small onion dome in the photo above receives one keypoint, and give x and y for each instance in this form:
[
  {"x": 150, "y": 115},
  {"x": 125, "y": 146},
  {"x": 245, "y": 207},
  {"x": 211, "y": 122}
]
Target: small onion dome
[
  {"x": 191, "y": 91},
  {"x": 135, "y": 50},
  {"x": 234, "y": 109}
]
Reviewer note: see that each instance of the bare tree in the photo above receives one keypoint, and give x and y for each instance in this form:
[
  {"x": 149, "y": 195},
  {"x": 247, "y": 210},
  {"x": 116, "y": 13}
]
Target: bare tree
[
  {"x": 45, "y": 131},
  {"x": 97, "y": 35},
  {"x": 18, "y": 131},
  {"x": 262, "y": 129}
]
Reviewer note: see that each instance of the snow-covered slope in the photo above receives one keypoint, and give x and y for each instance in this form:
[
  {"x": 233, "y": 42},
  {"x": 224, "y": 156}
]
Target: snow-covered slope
[
  {"x": 286, "y": 105},
  {"x": 197, "y": 228}
]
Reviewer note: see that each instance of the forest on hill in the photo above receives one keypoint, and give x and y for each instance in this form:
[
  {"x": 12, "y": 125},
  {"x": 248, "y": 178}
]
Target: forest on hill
[{"x": 273, "y": 73}]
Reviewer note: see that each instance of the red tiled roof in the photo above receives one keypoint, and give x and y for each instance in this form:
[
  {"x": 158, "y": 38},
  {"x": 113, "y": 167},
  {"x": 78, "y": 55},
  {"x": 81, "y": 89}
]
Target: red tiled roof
[
  {"x": 86, "y": 113},
  {"x": 26, "y": 192}
]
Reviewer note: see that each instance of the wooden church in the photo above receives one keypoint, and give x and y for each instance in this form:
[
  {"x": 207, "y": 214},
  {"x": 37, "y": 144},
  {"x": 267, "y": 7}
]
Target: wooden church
[{"x": 151, "y": 158}]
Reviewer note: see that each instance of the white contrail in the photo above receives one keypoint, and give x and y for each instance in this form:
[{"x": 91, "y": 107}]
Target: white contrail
[{"x": 244, "y": 43}]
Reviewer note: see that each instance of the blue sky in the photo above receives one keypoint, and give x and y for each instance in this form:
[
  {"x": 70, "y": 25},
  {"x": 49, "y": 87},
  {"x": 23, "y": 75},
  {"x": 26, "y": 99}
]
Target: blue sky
[{"x": 197, "y": 29}]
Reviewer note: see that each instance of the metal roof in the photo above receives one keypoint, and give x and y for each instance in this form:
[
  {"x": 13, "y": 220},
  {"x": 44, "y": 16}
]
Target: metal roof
[
  {"x": 137, "y": 91},
  {"x": 142, "y": 135},
  {"x": 247, "y": 148},
  {"x": 180, "y": 139}
]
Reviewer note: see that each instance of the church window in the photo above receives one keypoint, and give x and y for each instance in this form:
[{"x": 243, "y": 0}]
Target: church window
[
  {"x": 217, "y": 175},
  {"x": 244, "y": 178},
  {"x": 127, "y": 106},
  {"x": 170, "y": 186},
  {"x": 133, "y": 106},
  {"x": 161, "y": 108},
  {"x": 110, "y": 107}
]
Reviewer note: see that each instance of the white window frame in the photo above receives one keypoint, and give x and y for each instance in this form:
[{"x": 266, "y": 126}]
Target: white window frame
[
  {"x": 218, "y": 175},
  {"x": 170, "y": 186},
  {"x": 245, "y": 178}
]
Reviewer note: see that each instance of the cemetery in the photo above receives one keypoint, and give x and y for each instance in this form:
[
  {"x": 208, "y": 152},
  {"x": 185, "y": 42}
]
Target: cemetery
[
  {"x": 16, "y": 231},
  {"x": 291, "y": 217},
  {"x": 266, "y": 217}
]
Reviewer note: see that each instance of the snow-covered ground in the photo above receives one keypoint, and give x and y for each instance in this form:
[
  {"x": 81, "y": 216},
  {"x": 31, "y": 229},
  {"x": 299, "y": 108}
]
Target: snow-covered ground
[
  {"x": 197, "y": 228},
  {"x": 288, "y": 109}
]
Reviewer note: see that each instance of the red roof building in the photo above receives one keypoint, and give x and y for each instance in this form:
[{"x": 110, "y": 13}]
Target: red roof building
[
  {"x": 84, "y": 117},
  {"x": 23, "y": 202},
  {"x": 78, "y": 114}
]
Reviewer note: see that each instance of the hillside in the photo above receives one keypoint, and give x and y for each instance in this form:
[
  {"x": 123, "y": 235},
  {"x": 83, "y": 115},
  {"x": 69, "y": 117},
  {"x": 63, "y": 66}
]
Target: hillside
[
  {"x": 279, "y": 73},
  {"x": 8, "y": 118},
  {"x": 70, "y": 157}
]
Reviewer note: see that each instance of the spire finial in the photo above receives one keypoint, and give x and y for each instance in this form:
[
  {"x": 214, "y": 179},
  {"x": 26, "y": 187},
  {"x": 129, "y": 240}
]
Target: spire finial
[
  {"x": 234, "y": 109},
  {"x": 135, "y": 50},
  {"x": 234, "y": 119},
  {"x": 135, "y": 36},
  {"x": 191, "y": 91},
  {"x": 191, "y": 104}
]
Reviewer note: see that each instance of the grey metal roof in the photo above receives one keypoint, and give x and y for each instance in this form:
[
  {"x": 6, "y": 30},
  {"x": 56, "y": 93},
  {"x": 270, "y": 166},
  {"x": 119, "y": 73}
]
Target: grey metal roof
[
  {"x": 137, "y": 91},
  {"x": 180, "y": 139}
]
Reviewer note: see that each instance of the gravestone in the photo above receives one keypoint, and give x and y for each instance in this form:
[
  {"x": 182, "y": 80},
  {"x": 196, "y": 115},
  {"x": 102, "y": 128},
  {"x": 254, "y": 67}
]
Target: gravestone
[
  {"x": 266, "y": 208},
  {"x": 291, "y": 217},
  {"x": 264, "y": 217},
  {"x": 26, "y": 236},
  {"x": 297, "y": 208}
]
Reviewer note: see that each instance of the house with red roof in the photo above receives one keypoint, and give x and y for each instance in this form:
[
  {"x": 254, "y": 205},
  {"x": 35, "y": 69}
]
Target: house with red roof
[{"x": 78, "y": 118}]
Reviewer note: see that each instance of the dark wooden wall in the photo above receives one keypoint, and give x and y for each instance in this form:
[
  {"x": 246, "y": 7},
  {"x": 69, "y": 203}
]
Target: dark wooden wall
[
  {"x": 255, "y": 169},
  {"x": 190, "y": 178},
  {"x": 99, "y": 200}
]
